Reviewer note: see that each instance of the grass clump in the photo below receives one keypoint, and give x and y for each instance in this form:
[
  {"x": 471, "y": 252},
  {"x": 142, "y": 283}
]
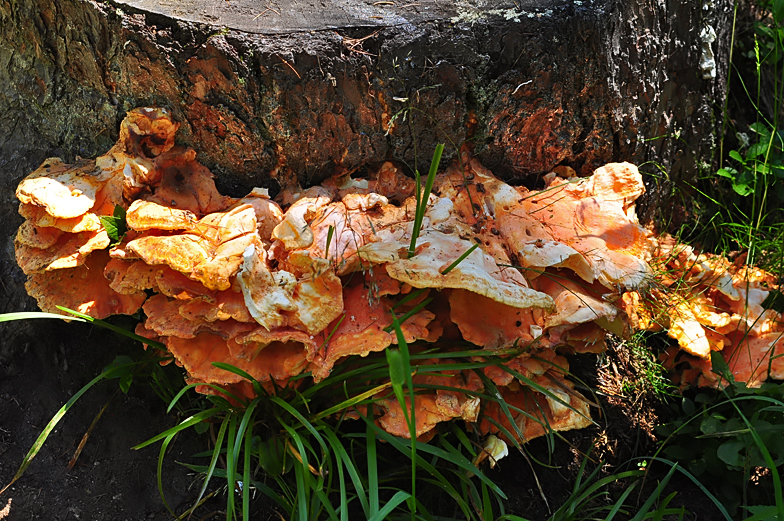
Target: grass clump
[
  {"x": 643, "y": 374},
  {"x": 741, "y": 205}
]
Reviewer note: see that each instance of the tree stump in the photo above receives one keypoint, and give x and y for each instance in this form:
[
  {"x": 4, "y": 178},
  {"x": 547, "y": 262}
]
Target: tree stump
[
  {"x": 275, "y": 92},
  {"x": 270, "y": 91}
]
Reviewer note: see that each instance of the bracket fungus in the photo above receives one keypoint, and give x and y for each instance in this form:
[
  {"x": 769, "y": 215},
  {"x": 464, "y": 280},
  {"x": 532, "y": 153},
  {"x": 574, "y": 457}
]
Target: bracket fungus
[
  {"x": 290, "y": 288},
  {"x": 709, "y": 304}
]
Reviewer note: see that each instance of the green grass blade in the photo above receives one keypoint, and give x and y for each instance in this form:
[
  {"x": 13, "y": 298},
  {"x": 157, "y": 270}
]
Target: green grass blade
[
  {"x": 453, "y": 455},
  {"x": 372, "y": 465},
  {"x": 302, "y": 473},
  {"x": 27, "y": 315},
  {"x": 410, "y": 313},
  {"x": 580, "y": 474},
  {"x": 459, "y": 259},
  {"x": 213, "y": 460},
  {"x": 178, "y": 396},
  {"x": 423, "y": 198},
  {"x": 302, "y": 500},
  {"x": 305, "y": 423},
  {"x": 494, "y": 393},
  {"x": 330, "y": 233},
  {"x": 463, "y": 439},
  {"x": 641, "y": 514},
  {"x": 621, "y": 501},
  {"x": 339, "y": 376},
  {"x": 159, "y": 472},
  {"x": 231, "y": 467},
  {"x": 116, "y": 329},
  {"x": 397, "y": 375},
  {"x": 188, "y": 422},
  {"x": 346, "y": 404},
  {"x": 487, "y": 504},
  {"x": 324, "y": 499},
  {"x": 662, "y": 510},
  {"x": 718, "y": 504},
  {"x": 408, "y": 298},
  {"x": 404, "y": 365},
  {"x": 274, "y": 496},
  {"x": 403, "y": 447},
  {"x": 584, "y": 493},
  {"x": 341, "y": 483},
  {"x": 390, "y": 505},
  {"x": 533, "y": 385},
  {"x": 246, "y": 475},
  {"x": 247, "y": 417},
  {"x": 239, "y": 372},
  {"x": 341, "y": 453}
]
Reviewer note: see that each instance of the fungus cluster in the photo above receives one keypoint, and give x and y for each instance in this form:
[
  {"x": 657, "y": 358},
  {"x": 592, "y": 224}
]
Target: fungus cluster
[
  {"x": 709, "y": 304},
  {"x": 278, "y": 289}
]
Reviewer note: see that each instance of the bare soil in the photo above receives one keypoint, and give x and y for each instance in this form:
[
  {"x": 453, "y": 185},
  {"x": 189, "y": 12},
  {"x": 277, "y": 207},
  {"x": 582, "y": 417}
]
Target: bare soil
[{"x": 109, "y": 481}]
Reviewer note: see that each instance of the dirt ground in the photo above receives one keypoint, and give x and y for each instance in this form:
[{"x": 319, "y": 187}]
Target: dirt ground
[{"x": 109, "y": 481}]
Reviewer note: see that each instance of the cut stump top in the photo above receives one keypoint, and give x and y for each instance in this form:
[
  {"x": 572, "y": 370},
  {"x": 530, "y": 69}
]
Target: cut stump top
[{"x": 288, "y": 16}]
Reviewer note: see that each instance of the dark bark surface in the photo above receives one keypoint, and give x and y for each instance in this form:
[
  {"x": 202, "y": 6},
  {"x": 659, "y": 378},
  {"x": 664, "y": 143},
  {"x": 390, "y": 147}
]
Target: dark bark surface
[{"x": 270, "y": 93}]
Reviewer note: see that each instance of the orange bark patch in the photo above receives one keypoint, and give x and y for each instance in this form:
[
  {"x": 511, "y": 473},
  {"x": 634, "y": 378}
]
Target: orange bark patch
[{"x": 392, "y": 184}]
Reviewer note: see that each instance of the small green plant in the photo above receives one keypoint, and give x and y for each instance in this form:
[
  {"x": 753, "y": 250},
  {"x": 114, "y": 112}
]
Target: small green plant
[
  {"x": 646, "y": 375},
  {"x": 741, "y": 205},
  {"x": 759, "y": 166},
  {"x": 732, "y": 441},
  {"x": 115, "y": 225}
]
